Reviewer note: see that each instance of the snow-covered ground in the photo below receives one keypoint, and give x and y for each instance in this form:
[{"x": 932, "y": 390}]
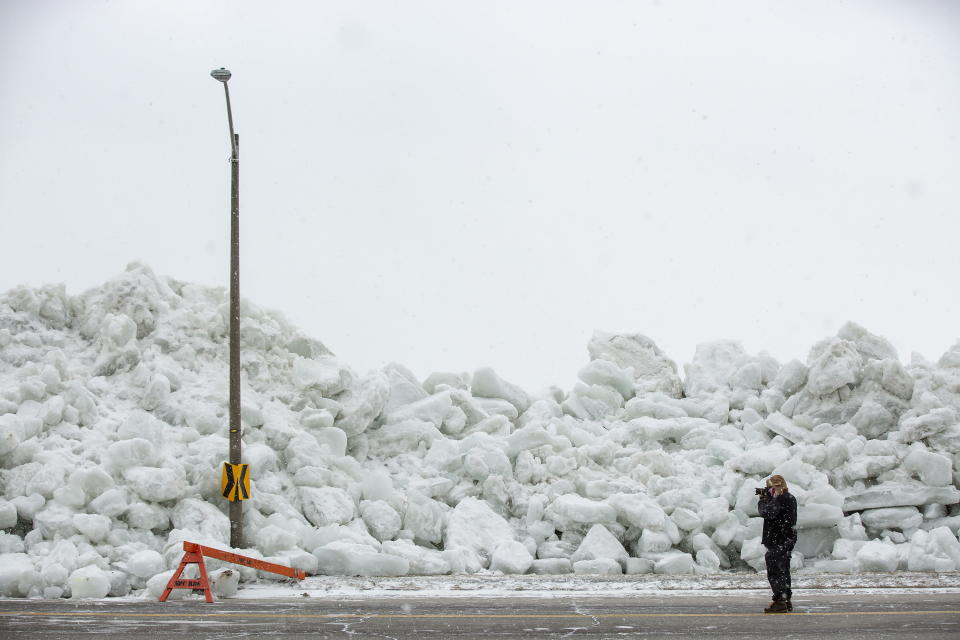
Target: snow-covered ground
[
  {"x": 113, "y": 428},
  {"x": 515, "y": 586}
]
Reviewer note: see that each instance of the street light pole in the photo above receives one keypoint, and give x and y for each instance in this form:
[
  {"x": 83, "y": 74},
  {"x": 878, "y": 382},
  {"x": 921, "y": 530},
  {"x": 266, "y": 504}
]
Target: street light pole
[{"x": 236, "y": 506}]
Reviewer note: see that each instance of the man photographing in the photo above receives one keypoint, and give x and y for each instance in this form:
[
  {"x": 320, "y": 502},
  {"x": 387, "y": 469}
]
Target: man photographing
[{"x": 779, "y": 512}]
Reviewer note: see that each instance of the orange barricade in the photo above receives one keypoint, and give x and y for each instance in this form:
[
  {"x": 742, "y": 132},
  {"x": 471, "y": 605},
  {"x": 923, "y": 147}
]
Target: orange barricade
[{"x": 194, "y": 553}]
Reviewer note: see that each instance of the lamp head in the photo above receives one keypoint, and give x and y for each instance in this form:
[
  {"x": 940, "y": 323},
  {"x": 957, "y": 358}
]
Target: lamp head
[{"x": 221, "y": 74}]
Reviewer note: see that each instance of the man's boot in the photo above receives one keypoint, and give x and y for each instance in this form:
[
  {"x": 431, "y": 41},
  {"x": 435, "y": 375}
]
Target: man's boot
[{"x": 777, "y": 606}]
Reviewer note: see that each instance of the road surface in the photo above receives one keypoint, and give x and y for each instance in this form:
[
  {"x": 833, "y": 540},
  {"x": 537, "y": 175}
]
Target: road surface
[{"x": 842, "y": 615}]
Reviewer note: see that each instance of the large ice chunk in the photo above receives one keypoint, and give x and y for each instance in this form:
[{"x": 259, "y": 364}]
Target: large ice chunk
[
  {"x": 383, "y": 520},
  {"x": 201, "y": 517},
  {"x": 933, "y": 469},
  {"x": 653, "y": 371},
  {"x": 600, "y": 566},
  {"x": 760, "y": 460},
  {"x": 350, "y": 559},
  {"x": 487, "y": 384},
  {"x": 473, "y": 525},
  {"x": 89, "y": 582},
  {"x": 834, "y": 363},
  {"x": 423, "y": 562},
  {"x": 870, "y": 346},
  {"x": 714, "y": 363},
  {"x": 571, "y": 509},
  {"x": 326, "y": 505},
  {"x": 791, "y": 377},
  {"x": 511, "y": 557},
  {"x": 899, "y": 494},
  {"x": 878, "y": 556},
  {"x": 929, "y": 424},
  {"x": 600, "y": 543},
  {"x": 936, "y": 550},
  {"x": 145, "y": 564},
  {"x": 362, "y": 403},
  {"x": 902, "y": 518},
  {"x": 608, "y": 374},
  {"x": 675, "y": 563},
  {"x": 156, "y": 484}
]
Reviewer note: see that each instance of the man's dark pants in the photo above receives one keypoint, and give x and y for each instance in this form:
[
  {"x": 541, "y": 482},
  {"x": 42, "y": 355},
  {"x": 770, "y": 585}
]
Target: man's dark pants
[{"x": 778, "y": 569}]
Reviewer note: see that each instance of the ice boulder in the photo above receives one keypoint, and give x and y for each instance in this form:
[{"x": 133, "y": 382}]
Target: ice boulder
[
  {"x": 570, "y": 510},
  {"x": 708, "y": 561},
  {"x": 834, "y": 363},
  {"x": 639, "y": 510},
  {"x": 381, "y": 519},
  {"x": 156, "y": 484},
  {"x": 351, "y": 559},
  {"x": 424, "y": 517},
  {"x": 873, "y": 419},
  {"x": 653, "y": 371},
  {"x": 225, "y": 582},
  {"x": 158, "y": 584},
  {"x": 95, "y": 526},
  {"x": 814, "y": 515},
  {"x": 362, "y": 402},
  {"x": 404, "y": 388},
  {"x": 551, "y": 566},
  {"x": 899, "y": 494},
  {"x": 760, "y": 460},
  {"x": 13, "y": 566},
  {"x": 433, "y": 409},
  {"x": 11, "y": 433},
  {"x": 870, "y": 346},
  {"x": 423, "y": 562},
  {"x": 902, "y": 518},
  {"x": 600, "y": 566},
  {"x": 934, "y": 470},
  {"x": 473, "y": 525},
  {"x": 600, "y": 543},
  {"x": 592, "y": 402},
  {"x": 145, "y": 564},
  {"x": 714, "y": 363},
  {"x": 202, "y": 518},
  {"x": 272, "y": 539},
  {"x": 487, "y": 384},
  {"x": 511, "y": 557},
  {"x": 675, "y": 563},
  {"x": 89, "y": 582},
  {"x": 326, "y": 505},
  {"x": 935, "y": 550},
  {"x": 607, "y": 374},
  {"x": 913, "y": 428},
  {"x": 791, "y": 377},
  {"x": 878, "y": 556},
  {"x": 8, "y": 514}
]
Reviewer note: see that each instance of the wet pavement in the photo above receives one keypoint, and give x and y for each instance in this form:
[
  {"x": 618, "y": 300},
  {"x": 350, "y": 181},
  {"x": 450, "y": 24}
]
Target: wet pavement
[{"x": 821, "y": 614}]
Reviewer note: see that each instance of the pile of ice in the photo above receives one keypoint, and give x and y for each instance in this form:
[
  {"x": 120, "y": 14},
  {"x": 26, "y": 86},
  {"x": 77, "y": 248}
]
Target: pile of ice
[{"x": 113, "y": 428}]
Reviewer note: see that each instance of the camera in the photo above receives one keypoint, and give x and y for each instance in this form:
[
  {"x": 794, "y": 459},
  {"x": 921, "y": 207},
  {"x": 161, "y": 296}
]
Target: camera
[{"x": 760, "y": 491}]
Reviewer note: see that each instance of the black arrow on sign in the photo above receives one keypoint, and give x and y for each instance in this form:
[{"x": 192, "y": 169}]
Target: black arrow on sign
[
  {"x": 242, "y": 483},
  {"x": 231, "y": 482}
]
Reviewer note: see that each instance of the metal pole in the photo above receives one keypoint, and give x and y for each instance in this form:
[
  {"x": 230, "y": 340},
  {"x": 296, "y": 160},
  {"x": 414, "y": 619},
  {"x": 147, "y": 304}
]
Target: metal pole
[{"x": 236, "y": 507}]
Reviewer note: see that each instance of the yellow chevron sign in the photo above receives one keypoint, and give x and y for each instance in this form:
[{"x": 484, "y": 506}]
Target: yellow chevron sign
[{"x": 235, "y": 481}]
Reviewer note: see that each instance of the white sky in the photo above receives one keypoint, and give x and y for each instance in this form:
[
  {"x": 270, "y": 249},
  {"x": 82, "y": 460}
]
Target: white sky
[{"x": 452, "y": 184}]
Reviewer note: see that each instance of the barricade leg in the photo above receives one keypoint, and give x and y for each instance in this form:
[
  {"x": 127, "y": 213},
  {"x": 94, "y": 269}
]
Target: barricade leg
[{"x": 192, "y": 555}]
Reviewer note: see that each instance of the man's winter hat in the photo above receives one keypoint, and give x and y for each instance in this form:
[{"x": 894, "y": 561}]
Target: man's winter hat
[{"x": 778, "y": 482}]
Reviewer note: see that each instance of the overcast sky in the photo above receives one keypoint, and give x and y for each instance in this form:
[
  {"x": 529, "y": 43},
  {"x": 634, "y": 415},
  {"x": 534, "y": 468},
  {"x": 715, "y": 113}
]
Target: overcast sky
[{"x": 451, "y": 184}]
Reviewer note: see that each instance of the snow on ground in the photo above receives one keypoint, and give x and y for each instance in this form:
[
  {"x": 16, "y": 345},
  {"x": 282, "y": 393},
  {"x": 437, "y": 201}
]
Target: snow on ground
[
  {"x": 113, "y": 428},
  {"x": 476, "y": 585}
]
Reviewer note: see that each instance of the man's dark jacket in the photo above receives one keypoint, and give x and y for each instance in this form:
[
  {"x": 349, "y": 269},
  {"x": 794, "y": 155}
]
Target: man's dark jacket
[{"x": 779, "y": 515}]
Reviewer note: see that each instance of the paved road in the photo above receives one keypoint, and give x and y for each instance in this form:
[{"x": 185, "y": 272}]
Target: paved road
[{"x": 846, "y": 616}]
